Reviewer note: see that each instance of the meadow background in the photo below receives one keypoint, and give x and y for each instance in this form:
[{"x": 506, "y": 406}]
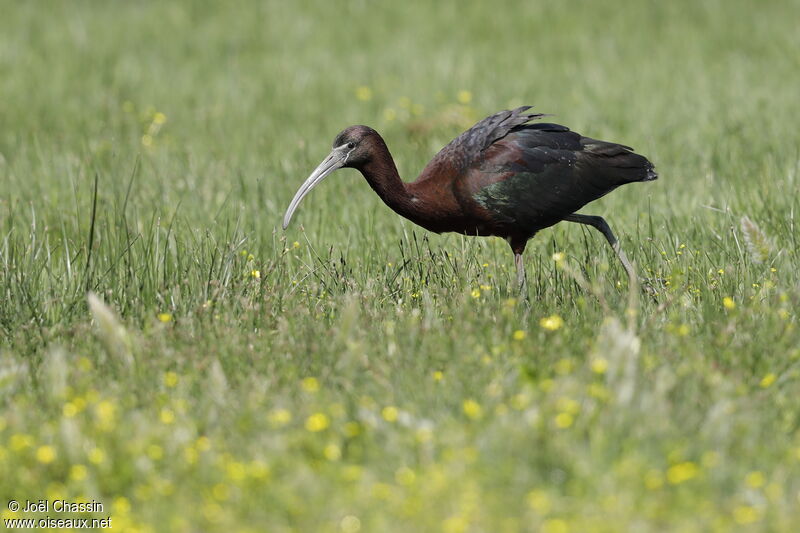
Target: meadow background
[{"x": 355, "y": 372}]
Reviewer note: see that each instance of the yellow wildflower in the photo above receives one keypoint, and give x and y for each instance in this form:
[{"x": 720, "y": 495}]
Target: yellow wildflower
[
  {"x": 438, "y": 375},
  {"x": 279, "y": 417},
  {"x": 69, "y": 410},
  {"x": 745, "y": 514},
  {"x": 464, "y": 97},
  {"x": 555, "y": 525},
  {"x": 564, "y": 420},
  {"x": 255, "y": 274},
  {"x": 20, "y": 441},
  {"x": 351, "y": 473},
  {"x": 364, "y": 93},
  {"x": 599, "y": 365},
  {"x": 551, "y": 323},
  {"x": 235, "y": 471},
  {"x": 295, "y": 245},
  {"x": 91, "y": 396},
  {"x": 476, "y": 293},
  {"x": 221, "y": 492},
  {"x": 155, "y": 452},
  {"x": 519, "y": 335},
  {"x": 310, "y": 384},
  {"x": 190, "y": 455},
  {"x": 78, "y": 472},
  {"x": 539, "y": 501},
  {"x": 317, "y": 422},
  {"x": 164, "y": 317},
  {"x": 455, "y": 524},
  {"x": 203, "y": 443},
  {"x": 564, "y": 366},
  {"x": 405, "y": 476},
  {"x": 596, "y": 390},
  {"x": 390, "y": 413},
  {"x": 122, "y": 505},
  {"x": 332, "y": 452},
  {"x": 472, "y": 409},
  {"x": 568, "y": 405},
  {"x": 170, "y": 379},
  {"x": 167, "y": 416},
  {"x": 46, "y": 454},
  {"x": 159, "y": 118},
  {"x": 768, "y": 380},
  {"x": 728, "y": 303},
  {"x": 424, "y": 434},
  {"x": 681, "y": 472},
  {"x": 755, "y": 479},
  {"x": 97, "y": 456},
  {"x": 105, "y": 412}
]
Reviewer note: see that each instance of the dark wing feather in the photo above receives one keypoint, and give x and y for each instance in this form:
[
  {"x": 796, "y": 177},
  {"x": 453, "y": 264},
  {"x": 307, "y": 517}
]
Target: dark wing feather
[
  {"x": 462, "y": 151},
  {"x": 539, "y": 173}
]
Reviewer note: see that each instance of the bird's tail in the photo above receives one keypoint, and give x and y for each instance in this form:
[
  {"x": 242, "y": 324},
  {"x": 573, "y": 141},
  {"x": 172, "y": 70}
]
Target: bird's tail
[
  {"x": 651, "y": 173},
  {"x": 617, "y": 163},
  {"x": 628, "y": 167}
]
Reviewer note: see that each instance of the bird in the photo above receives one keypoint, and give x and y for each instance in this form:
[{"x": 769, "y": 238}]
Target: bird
[{"x": 508, "y": 176}]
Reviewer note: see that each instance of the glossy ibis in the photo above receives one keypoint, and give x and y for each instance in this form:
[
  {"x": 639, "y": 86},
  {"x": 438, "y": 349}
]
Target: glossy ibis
[{"x": 505, "y": 176}]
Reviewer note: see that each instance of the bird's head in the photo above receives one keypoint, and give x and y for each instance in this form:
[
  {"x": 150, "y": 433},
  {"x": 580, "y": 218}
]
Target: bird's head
[{"x": 351, "y": 148}]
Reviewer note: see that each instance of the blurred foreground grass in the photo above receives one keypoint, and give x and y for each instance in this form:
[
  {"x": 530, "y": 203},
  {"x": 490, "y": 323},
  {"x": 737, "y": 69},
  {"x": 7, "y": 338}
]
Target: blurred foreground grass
[{"x": 359, "y": 374}]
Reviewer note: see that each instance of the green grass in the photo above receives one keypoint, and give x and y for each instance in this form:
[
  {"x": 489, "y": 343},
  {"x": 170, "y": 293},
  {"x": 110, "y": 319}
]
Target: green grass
[{"x": 437, "y": 403}]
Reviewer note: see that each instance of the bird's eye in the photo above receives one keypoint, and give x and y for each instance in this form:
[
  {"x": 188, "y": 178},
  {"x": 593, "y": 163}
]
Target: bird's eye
[{"x": 351, "y": 145}]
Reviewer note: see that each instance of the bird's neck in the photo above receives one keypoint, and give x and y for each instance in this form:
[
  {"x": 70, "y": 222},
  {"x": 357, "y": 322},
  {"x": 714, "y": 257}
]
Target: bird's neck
[{"x": 381, "y": 174}]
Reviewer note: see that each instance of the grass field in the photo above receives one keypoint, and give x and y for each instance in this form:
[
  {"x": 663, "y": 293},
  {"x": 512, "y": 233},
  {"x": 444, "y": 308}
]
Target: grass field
[{"x": 356, "y": 373}]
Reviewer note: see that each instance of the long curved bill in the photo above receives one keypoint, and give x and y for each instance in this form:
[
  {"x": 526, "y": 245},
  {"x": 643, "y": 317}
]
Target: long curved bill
[{"x": 335, "y": 160}]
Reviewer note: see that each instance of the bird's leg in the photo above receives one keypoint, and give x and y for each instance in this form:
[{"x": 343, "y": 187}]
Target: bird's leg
[
  {"x": 521, "y": 278},
  {"x": 518, "y": 247},
  {"x": 600, "y": 224}
]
